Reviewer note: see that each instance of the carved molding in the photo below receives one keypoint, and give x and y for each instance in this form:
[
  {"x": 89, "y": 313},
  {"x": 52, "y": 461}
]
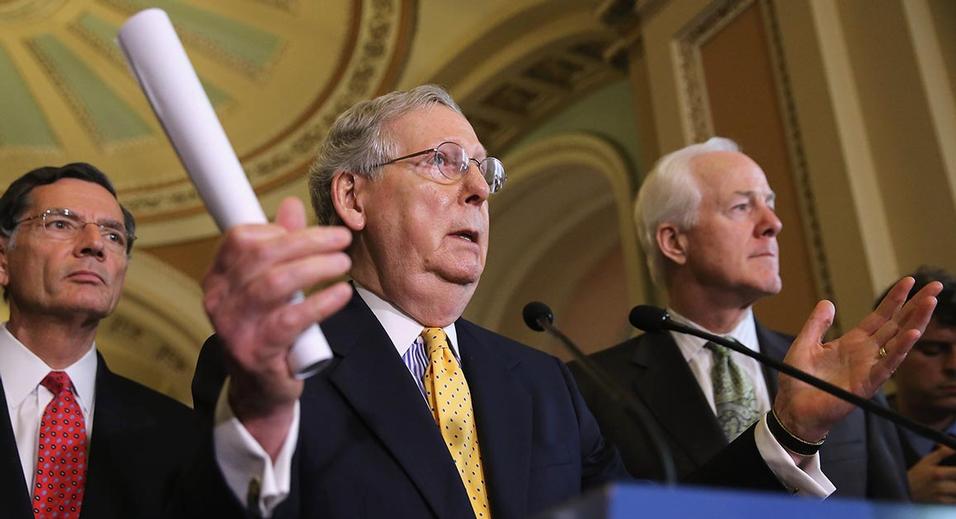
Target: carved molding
[
  {"x": 513, "y": 103},
  {"x": 798, "y": 160},
  {"x": 698, "y": 123}
]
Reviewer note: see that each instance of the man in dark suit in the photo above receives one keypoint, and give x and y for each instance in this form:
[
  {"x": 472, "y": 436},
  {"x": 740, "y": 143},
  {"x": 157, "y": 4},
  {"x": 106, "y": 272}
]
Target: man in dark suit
[
  {"x": 707, "y": 224},
  {"x": 420, "y": 413},
  {"x": 926, "y": 393},
  {"x": 64, "y": 250}
]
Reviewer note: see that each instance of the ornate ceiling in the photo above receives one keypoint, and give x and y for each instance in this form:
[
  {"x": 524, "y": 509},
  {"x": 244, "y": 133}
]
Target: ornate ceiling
[{"x": 277, "y": 72}]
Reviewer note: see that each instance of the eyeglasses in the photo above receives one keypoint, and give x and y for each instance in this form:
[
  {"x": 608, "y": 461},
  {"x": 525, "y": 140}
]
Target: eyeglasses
[
  {"x": 64, "y": 224},
  {"x": 452, "y": 162}
]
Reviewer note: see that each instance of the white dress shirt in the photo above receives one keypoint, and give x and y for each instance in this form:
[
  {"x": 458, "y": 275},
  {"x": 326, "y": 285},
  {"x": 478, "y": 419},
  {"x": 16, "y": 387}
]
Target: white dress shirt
[
  {"x": 243, "y": 460},
  {"x": 701, "y": 360},
  {"x": 21, "y": 372},
  {"x": 804, "y": 479}
]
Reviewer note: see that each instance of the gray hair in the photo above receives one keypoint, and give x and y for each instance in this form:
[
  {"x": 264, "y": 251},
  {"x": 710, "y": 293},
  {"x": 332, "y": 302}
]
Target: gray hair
[
  {"x": 670, "y": 194},
  {"x": 359, "y": 142}
]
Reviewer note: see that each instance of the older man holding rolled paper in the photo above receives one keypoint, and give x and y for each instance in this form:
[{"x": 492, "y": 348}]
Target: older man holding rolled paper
[{"x": 421, "y": 413}]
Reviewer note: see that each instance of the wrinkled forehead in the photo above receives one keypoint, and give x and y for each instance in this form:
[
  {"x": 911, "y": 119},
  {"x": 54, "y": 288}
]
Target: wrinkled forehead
[
  {"x": 86, "y": 199},
  {"x": 428, "y": 126},
  {"x": 723, "y": 173}
]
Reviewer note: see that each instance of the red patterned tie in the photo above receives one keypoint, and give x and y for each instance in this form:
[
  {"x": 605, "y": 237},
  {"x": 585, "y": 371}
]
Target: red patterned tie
[{"x": 61, "y": 456}]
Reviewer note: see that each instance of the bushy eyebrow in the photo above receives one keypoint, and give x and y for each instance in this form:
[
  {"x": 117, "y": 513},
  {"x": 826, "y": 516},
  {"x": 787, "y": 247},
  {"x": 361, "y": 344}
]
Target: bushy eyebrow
[{"x": 113, "y": 224}]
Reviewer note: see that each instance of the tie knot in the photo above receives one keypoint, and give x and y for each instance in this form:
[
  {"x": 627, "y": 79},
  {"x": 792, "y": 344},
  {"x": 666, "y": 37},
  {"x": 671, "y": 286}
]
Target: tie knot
[
  {"x": 56, "y": 382},
  {"x": 434, "y": 339},
  {"x": 718, "y": 351}
]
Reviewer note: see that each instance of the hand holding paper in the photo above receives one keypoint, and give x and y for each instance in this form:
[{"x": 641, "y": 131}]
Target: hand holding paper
[{"x": 159, "y": 61}]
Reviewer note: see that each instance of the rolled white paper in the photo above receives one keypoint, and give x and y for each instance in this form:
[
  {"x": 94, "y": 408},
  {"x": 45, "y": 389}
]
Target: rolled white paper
[{"x": 164, "y": 72}]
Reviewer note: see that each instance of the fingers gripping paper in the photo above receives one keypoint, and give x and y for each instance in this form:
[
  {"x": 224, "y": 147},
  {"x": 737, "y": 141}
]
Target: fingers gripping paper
[{"x": 165, "y": 74}]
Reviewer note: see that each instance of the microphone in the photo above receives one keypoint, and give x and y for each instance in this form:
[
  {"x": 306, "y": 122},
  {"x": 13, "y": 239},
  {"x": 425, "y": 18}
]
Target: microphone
[
  {"x": 534, "y": 312},
  {"x": 539, "y": 317},
  {"x": 648, "y": 318},
  {"x": 653, "y": 319}
]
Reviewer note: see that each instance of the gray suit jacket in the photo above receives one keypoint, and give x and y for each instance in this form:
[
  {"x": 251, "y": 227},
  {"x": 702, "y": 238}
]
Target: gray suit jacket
[{"x": 861, "y": 456}]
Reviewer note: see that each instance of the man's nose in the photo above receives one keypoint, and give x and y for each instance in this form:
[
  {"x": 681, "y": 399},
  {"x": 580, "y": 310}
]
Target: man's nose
[
  {"x": 90, "y": 241},
  {"x": 949, "y": 359},
  {"x": 769, "y": 225},
  {"x": 475, "y": 189}
]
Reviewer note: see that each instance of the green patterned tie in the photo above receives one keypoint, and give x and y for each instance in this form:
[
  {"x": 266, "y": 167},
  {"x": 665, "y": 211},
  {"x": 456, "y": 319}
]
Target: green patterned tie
[{"x": 734, "y": 394}]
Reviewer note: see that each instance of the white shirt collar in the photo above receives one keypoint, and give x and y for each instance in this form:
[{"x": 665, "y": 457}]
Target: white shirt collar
[
  {"x": 401, "y": 329},
  {"x": 22, "y": 371},
  {"x": 690, "y": 346}
]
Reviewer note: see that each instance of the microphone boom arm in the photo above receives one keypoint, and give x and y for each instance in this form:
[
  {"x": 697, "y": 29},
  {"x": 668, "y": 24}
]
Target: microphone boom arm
[
  {"x": 646, "y": 420},
  {"x": 864, "y": 403}
]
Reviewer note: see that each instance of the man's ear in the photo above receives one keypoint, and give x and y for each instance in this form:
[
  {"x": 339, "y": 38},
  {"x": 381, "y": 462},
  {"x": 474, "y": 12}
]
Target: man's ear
[
  {"x": 348, "y": 205},
  {"x": 4, "y": 272},
  {"x": 672, "y": 243}
]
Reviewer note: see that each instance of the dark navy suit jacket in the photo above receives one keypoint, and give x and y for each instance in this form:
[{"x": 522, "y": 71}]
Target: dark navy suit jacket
[
  {"x": 369, "y": 447},
  {"x": 140, "y": 445},
  {"x": 861, "y": 456}
]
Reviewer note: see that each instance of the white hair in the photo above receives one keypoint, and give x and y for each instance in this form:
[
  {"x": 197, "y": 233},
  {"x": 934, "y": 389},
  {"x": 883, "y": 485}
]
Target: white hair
[
  {"x": 359, "y": 141},
  {"x": 670, "y": 194}
]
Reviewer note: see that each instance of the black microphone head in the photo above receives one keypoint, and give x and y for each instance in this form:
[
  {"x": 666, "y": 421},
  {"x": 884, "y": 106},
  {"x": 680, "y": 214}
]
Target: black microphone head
[
  {"x": 534, "y": 312},
  {"x": 648, "y": 318}
]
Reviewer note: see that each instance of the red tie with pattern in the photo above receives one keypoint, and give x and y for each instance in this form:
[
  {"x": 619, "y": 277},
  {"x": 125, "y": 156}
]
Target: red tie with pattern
[{"x": 61, "y": 455}]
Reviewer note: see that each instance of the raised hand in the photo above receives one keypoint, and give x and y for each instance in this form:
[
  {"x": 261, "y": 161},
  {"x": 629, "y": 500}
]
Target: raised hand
[
  {"x": 247, "y": 292},
  {"x": 860, "y": 361}
]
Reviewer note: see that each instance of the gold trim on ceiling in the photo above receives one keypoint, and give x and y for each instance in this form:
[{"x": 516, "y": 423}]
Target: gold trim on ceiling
[{"x": 278, "y": 72}]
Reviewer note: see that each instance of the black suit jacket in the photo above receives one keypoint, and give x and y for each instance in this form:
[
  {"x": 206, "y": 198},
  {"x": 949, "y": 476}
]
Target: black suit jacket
[
  {"x": 139, "y": 446},
  {"x": 369, "y": 447},
  {"x": 861, "y": 455}
]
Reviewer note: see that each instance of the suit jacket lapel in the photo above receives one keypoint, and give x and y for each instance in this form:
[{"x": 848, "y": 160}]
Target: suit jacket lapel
[
  {"x": 669, "y": 389},
  {"x": 111, "y": 423},
  {"x": 776, "y": 347},
  {"x": 503, "y": 414},
  {"x": 13, "y": 490},
  {"x": 373, "y": 379}
]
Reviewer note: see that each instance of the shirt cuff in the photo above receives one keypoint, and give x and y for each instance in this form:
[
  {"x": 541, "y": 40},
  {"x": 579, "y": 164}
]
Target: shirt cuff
[
  {"x": 805, "y": 479},
  {"x": 245, "y": 465}
]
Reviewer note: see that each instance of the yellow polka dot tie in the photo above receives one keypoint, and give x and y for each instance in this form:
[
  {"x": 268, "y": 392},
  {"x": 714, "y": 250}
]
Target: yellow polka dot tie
[{"x": 450, "y": 402}]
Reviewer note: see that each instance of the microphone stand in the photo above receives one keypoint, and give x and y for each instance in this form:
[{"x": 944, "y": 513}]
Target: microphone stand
[{"x": 645, "y": 420}]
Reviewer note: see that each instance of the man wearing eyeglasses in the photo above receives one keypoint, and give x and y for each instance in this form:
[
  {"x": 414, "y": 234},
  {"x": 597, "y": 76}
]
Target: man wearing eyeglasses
[
  {"x": 64, "y": 250},
  {"x": 420, "y": 413},
  {"x": 926, "y": 392}
]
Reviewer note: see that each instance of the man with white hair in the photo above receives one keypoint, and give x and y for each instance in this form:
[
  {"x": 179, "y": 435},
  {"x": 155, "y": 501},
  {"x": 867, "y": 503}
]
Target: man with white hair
[{"x": 706, "y": 221}]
